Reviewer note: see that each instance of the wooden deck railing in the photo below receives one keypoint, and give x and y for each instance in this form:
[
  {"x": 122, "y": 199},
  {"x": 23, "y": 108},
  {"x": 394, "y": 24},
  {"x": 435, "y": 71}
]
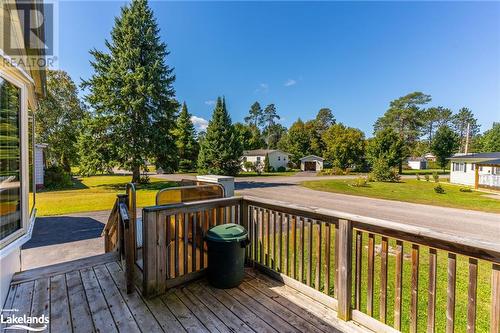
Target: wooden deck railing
[{"x": 371, "y": 271}]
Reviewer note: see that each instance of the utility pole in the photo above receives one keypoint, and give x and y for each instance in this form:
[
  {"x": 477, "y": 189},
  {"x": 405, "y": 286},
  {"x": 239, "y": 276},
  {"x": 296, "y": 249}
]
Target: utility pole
[{"x": 467, "y": 139}]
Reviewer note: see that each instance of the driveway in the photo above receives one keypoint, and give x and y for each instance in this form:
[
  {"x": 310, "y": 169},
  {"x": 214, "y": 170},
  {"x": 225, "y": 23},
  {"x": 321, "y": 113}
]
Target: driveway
[{"x": 457, "y": 222}]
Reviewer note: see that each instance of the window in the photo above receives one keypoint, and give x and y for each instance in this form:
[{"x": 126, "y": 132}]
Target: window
[
  {"x": 279, "y": 158},
  {"x": 258, "y": 158},
  {"x": 458, "y": 166},
  {"x": 10, "y": 158},
  {"x": 465, "y": 167},
  {"x": 473, "y": 166}
]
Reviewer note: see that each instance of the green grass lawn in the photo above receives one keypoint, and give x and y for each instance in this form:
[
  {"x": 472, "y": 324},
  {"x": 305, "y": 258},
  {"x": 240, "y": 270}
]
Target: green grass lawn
[
  {"x": 95, "y": 193},
  {"x": 266, "y": 174},
  {"x": 426, "y": 171},
  {"x": 411, "y": 190},
  {"x": 483, "y": 285}
]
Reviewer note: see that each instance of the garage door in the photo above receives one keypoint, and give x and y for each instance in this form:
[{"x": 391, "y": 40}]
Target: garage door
[{"x": 310, "y": 166}]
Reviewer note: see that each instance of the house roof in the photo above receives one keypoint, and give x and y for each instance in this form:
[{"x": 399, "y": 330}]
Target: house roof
[
  {"x": 478, "y": 156},
  {"x": 416, "y": 159},
  {"x": 262, "y": 152},
  {"x": 313, "y": 157},
  {"x": 490, "y": 162}
]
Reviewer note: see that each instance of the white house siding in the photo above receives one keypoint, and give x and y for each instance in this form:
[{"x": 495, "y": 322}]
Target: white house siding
[
  {"x": 276, "y": 159},
  {"x": 39, "y": 166},
  {"x": 467, "y": 177},
  {"x": 417, "y": 165}
]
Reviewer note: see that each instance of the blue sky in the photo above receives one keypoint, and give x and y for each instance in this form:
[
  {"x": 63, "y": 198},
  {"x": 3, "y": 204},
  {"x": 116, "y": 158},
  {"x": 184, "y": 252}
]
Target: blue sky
[{"x": 353, "y": 57}]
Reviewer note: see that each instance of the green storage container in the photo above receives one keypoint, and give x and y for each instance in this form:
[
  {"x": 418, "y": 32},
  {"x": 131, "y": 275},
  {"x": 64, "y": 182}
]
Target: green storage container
[{"x": 226, "y": 255}]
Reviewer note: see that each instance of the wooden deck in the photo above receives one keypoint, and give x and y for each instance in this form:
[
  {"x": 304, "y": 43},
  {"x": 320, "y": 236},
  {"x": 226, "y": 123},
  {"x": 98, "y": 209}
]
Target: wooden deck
[{"x": 89, "y": 296}]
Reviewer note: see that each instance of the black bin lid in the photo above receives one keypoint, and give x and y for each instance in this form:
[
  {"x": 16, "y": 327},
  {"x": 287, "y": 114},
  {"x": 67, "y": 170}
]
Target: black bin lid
[{"x": 230, "y": 232}]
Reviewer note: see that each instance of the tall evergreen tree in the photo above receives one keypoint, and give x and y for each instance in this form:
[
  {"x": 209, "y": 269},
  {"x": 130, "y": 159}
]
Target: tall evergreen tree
[
  {"x": 434, "y": 118},
  {"x": 405, "y": 116},
  {"x": 185, "y": 139},
  {"x": 269, "y": 117},
  {"x": 460, "y": 121},
  {"x": 220, "y": 149},
  {"x": 254, "y": 115},
  {"x": 131, "y": 91},
  {"x": 249, "y": 136}
]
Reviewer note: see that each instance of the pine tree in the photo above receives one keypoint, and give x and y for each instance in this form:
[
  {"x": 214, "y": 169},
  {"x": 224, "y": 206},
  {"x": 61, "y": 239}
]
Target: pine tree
[
  {"x": 267, "y": 165},
  {"x": 185, "y": 139},
  {"x": 254, "y": 115},
  {"x": 220, "y": 149},
  {"x": 268, "y": 118},
  {"x": 131, "y": 91}
]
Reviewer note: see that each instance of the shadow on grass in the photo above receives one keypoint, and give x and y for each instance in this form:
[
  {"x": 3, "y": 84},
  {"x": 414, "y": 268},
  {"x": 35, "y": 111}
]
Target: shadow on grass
[{"x": 154, "y": 186}]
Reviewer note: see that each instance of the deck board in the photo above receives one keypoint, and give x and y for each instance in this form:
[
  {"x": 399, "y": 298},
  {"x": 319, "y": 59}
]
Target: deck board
[{"x": 90, "y": 296}]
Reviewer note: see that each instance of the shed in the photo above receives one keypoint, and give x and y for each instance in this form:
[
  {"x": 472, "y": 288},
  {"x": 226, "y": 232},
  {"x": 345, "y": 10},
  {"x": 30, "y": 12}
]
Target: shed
[
  {"x": 417, "y": 163},
  {"x": 311, "y": 163}
]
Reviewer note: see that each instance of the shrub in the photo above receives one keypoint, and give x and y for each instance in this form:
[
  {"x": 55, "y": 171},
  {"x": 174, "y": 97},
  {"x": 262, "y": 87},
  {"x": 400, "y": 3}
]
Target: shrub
[
  {"x": 465, "y": 189},
  {"x": 370, "y": 178},
  {"x": 382, "y": 172},
  {"x": 417, "y": 175},
  {"x": 332, "y": 172},
  {"x": 185, "y": 165},
  {"x": 360, "y": 182},
  {"x": 435, "y": 176},
  {"x": 439, "y": 189},
  {"x": 248, "y": 166},
  {"x": 281, "y": 169},
  {"x": 427, "y": 178},
  {"x": 144, "y": 179},
  {"x": 57, "y": 178}
]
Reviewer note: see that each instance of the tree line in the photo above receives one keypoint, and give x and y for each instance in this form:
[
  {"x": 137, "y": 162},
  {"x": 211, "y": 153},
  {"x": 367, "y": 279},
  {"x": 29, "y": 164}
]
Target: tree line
[{"x": 130, "y": 117}]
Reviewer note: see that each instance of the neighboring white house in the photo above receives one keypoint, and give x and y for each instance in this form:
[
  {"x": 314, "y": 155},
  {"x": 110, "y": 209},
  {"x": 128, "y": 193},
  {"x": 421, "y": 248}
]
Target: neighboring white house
[
  {"x": 478, "y": 170},
  {"x": 417, "y": 163},
  {"x": 277, "y": 158},
  {"x": 39, "y": 164},
  {"x": 311, "y": 163},
  {"x": 430, "y": 157}
]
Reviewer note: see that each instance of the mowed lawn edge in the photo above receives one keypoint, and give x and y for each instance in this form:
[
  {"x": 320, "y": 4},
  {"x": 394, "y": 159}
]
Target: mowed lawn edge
[
  {"x": 95, "y": 193},
  {"x": 413, "y": 191}
]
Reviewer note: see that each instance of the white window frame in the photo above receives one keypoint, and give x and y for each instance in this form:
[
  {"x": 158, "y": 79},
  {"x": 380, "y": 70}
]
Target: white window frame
[{"x": 24, "y": 138}]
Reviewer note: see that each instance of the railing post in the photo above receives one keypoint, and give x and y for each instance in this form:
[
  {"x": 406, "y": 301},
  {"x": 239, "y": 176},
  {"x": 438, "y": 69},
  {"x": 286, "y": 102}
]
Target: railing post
[{"x": 344, "y": 290}]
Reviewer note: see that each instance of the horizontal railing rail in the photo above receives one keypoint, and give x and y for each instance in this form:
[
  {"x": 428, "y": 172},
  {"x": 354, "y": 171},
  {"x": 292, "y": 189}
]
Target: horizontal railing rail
[{"x": 370, "y": 270}]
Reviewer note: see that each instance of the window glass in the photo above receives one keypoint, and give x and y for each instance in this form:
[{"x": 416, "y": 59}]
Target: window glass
[{"x": 10, "y": 159}]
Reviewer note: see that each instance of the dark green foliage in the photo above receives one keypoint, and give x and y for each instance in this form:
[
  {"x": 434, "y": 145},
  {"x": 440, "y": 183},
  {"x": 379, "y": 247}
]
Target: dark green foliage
[
  {"x": 460, "y": 121},
  {"x": 439, "y": 189},
  {"x": 59, "y": 119},
  {"x": 273, "y": 135},
  {"x": 249, "y": 136},
  {"x": 445, "y": 143},
  {"x": 56, "y": 177},
  {"x": 406, "y": 117},
  {"x": 249, "y": 166},
  {"x": 434, "y": 118},
  {"x": 386, "y": 144},
  {"x": 267, "y": 166},
  {"x": 281, "y": 169},
  {"x": 95, "y": 147},
  {"x": 324, "y": 119},
  {"x": 383, "y": 172},
  {"x": 269, "y": 117},
  {"x": 255, "y": 114},
  {"x": 220, "y": 149},
  {"x": 131, "y": 91},
  {"x": 490, "y": 141},
  {"x": 185, "y": 139},
  {"x": 345, "y": 146},
  {"x": 465, "y": 189},
  {"x": 296, "y": 141}
]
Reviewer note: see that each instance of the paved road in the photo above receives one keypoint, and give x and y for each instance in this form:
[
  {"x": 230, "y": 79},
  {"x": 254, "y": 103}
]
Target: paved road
[{"x": 457, "y": 222}]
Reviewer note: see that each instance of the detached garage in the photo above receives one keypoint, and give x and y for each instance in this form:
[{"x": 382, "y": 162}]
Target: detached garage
[{"x": 311, "y": 163}]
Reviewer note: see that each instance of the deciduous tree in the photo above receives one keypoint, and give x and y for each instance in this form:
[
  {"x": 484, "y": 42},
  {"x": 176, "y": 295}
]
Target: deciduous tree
[
  {"x": 59, "y": 119},
  {"x": 445, "y": 143},
  {"x": 386, "y": 145},
  {"x": 345, "y": 146}
]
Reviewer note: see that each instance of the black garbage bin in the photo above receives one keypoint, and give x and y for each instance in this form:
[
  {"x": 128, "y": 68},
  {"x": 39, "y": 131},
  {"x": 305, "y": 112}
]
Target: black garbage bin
[{"x": 226, "y": 255}]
